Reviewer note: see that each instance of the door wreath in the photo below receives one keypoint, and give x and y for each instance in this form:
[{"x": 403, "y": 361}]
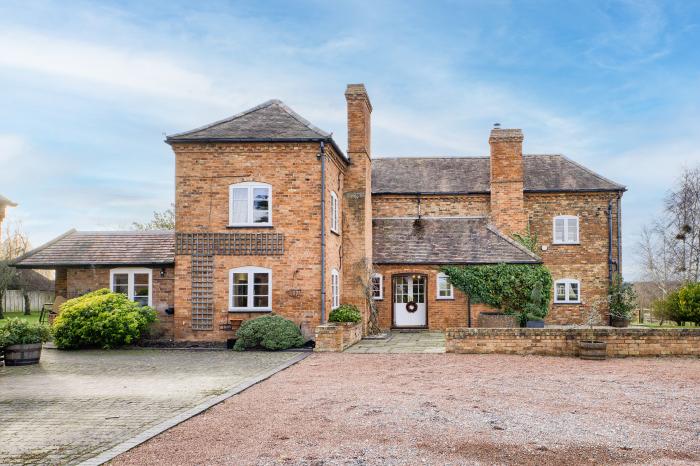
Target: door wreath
[{"x": 411, "y": 306}]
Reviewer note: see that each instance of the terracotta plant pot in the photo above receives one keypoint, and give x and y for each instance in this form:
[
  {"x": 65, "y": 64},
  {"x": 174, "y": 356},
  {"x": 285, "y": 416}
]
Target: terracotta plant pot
[
  {"x": 592, "y": 350},
  {"x": 619, "y": 322},
  {"x": 22, "y": 355}
]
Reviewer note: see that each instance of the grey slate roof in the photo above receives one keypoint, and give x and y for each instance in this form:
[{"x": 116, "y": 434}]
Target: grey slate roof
[
  {"x": 102, "y": 248},
  {"x": 466, "y": 175},
  {"x": 270, "y": 121},
  {"x": 444, "y": 240}
]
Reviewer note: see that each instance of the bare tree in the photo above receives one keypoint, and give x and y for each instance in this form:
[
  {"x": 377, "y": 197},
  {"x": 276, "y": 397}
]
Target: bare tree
[
  {"x": 14, "y": 245},
  {"x": 364, "y": 277}
]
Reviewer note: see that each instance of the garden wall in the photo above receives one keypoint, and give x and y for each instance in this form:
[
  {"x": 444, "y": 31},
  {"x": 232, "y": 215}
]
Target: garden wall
[
  {"x": 336, "y": 337},
  {"x": 564, "y": 342}
]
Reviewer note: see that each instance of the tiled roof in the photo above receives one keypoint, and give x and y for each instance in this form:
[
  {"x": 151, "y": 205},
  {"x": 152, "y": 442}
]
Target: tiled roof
[
  {"x": 270, "y": 121},
  {"x": 543, "y": 173},
  {"x": 444, "y": 240},
  {"x": 100, "y": 248}
]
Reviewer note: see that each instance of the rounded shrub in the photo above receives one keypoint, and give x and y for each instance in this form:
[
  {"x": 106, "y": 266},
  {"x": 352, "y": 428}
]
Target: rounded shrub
[
  {"x": 271, "y": 332},
  {"x": 689, "y": 301},
  {"x": 345, "y": 313},
  {"x": 101, "y": 319}
]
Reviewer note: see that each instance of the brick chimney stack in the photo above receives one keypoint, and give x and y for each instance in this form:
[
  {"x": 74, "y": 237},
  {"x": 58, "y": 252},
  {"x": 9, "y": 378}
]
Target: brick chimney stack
[
  {"x": 357, "y": 198},
  {"x": 507, "y": 200}
]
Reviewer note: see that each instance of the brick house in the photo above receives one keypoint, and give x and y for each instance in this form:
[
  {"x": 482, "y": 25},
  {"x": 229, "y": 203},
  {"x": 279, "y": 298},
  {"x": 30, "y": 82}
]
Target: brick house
[{"x": 272, "y": 216}]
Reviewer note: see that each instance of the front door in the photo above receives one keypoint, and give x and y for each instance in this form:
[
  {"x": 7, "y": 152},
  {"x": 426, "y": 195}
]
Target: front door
[{"x": 410, "y": 309}]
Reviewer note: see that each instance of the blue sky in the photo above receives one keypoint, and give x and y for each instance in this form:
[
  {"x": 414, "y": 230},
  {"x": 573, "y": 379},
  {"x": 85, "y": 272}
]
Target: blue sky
[{"x": 87, "y": 90}]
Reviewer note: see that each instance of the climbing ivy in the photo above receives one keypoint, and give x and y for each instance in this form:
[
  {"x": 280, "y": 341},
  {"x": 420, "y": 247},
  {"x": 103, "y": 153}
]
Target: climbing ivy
[{"x": 523, "y": 289}]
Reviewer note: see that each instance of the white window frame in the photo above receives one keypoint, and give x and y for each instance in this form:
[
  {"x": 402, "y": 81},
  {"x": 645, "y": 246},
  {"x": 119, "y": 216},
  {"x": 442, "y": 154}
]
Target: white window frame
[
  {"x": 565, "y": 219},
  {"x": 251, "y": 186},
  {"x": 335, "y": 289},
  {"x": 567, "y": 288},
  {"x": 335, "y": 224},
  {"x": 381, "y": 286},
  {"x": 251, "y": 289},
  {"x": 130, "y": 271},
  {"x": 439, "y": 277}
]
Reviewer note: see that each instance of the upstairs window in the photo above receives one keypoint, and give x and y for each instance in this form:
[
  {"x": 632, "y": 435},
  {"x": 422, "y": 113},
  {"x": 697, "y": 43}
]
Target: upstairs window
[
  {"x": 444, "y": 287},
  {"x": 334, "y": 213},
  {"x": 377, "y": 286},
  {"x": 567, "y": 290},
  {"x": 250, "y": 204},
  {"x": 335, "y": 289},
  {"x": 134, "y": 283},
  {"x": 250, "y": 289},
  {"x": 566, "y": 230}
]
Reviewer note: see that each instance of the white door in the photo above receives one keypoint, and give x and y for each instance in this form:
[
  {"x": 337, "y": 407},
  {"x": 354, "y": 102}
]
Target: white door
[{"x": 410, "y": 309}]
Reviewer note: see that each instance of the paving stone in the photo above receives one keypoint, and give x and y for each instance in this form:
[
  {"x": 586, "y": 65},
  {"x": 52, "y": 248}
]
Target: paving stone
[{"x": 403, "y": 342}]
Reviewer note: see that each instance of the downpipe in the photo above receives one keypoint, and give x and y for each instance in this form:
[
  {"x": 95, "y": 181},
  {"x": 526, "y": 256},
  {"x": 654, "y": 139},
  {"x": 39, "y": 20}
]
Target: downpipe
[{"x": 322, "y": 156}]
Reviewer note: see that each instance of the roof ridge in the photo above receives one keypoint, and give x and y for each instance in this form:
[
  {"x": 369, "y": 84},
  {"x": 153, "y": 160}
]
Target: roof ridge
[
  {"x": 265, "y": 104},
  {"x": 491, "y": 227},
  {"x": 439, "y": 157},
  {"x": 457, "y": 217}
]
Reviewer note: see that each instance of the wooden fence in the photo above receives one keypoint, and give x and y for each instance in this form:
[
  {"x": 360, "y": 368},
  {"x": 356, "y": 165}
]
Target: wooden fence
[{"x": 14, "y": 301}]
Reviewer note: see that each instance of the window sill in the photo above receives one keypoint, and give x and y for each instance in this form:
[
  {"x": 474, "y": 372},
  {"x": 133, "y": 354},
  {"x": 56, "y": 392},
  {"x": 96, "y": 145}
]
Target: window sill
[
  {"x": 567, "y": 244},
  {"x": 231, "y": 227},
  {"x": 250, "y": 309},
  {"x": 377, "y": 299},
  {"x": 445, "y": 298},
  {"x": 559, "y": 303}
]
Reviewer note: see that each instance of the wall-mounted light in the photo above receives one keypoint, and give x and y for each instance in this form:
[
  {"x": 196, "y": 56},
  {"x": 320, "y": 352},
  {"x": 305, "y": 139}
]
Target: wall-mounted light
[{"x": 162, "y": 272}]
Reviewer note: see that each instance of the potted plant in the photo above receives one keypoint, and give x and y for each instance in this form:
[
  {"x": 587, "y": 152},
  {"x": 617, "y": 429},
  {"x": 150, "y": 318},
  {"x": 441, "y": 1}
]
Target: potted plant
[
  {"x": 534, "y": 321},
  {"x": 21, "y": 341},
  {"x": 589, "y": 347},
  {"x": 535, "y": 309},
  {"x": 621, "y": 302}
]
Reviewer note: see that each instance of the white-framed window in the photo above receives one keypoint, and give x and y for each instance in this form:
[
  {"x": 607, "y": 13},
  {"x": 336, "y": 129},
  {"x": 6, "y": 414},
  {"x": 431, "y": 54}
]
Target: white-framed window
[
  {"x": 250, "y": 204},
  {"x": 136, "y": 283},
  {"x": 335, "y": 289},
  {"x": 445, "y": 290},
  {"x": 567, "y": 290},
  {"x": 335, "y": 224},
  {"x": 377, "y": 286},
  {"x": 565, "y": 230},
  {"x": 250, "y": 289}
]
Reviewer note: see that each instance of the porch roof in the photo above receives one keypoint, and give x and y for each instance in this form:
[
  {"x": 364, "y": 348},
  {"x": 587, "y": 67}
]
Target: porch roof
[{"x": 444, "y": 240}]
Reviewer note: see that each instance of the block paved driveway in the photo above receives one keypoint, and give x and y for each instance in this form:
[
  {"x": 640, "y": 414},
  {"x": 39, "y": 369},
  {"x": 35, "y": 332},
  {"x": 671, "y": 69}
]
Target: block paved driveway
[{"x": 74, "y": 405}]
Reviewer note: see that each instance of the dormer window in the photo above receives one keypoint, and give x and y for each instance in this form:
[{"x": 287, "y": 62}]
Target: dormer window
[
  {"x": 250, "y": 205},
  {"x": 565, "y": 230}
]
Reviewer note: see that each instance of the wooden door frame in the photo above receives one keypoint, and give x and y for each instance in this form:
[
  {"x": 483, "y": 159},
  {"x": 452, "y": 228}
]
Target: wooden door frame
[{"x": 393, "y": 303}]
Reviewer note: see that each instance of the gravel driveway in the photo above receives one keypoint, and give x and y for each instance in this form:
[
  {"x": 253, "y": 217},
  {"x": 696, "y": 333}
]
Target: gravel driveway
[
  {"x": 448, "y": 409},
  {"x": 74, "y": 405}
]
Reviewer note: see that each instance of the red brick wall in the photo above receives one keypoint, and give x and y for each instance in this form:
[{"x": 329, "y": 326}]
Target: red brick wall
[{"x": 391, "y": 205}]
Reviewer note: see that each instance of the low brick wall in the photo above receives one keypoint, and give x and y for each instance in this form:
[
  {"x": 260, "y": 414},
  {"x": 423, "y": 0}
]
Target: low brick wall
[
  {"x": 336, "y": 337},
  {"x": 497, "y": 320},
  {"x": 621, "y": 342}
]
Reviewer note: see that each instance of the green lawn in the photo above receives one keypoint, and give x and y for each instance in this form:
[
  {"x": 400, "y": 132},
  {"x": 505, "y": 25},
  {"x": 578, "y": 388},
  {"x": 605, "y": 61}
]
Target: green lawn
[{"x": 33, "y": 317}]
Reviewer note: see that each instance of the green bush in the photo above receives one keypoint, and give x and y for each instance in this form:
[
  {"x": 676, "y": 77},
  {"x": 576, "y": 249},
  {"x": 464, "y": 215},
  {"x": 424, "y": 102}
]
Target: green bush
[
  {"x": 515, "y": 288},
  {"x": 622, "y": 299},
  {"x": 668, "y": 308},
  {"x": 689, "y": 303},
  {"x": 21, "y": 332},
  {"x": 101, "y": 319},
  {"x": 270, "y": 332},
  {"x": 345, "y": 313}
]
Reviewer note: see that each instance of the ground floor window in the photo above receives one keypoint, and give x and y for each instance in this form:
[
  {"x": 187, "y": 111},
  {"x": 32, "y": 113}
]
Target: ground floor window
[
  {"x": 567, "y": 290},
  {"x": 377, "y": 286},
  {"x": 335, "y": 289},
  {"x": 250, "y": 289},
  {"x": 135, "y": 283},
  {"x": 444, "y": 287}
]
